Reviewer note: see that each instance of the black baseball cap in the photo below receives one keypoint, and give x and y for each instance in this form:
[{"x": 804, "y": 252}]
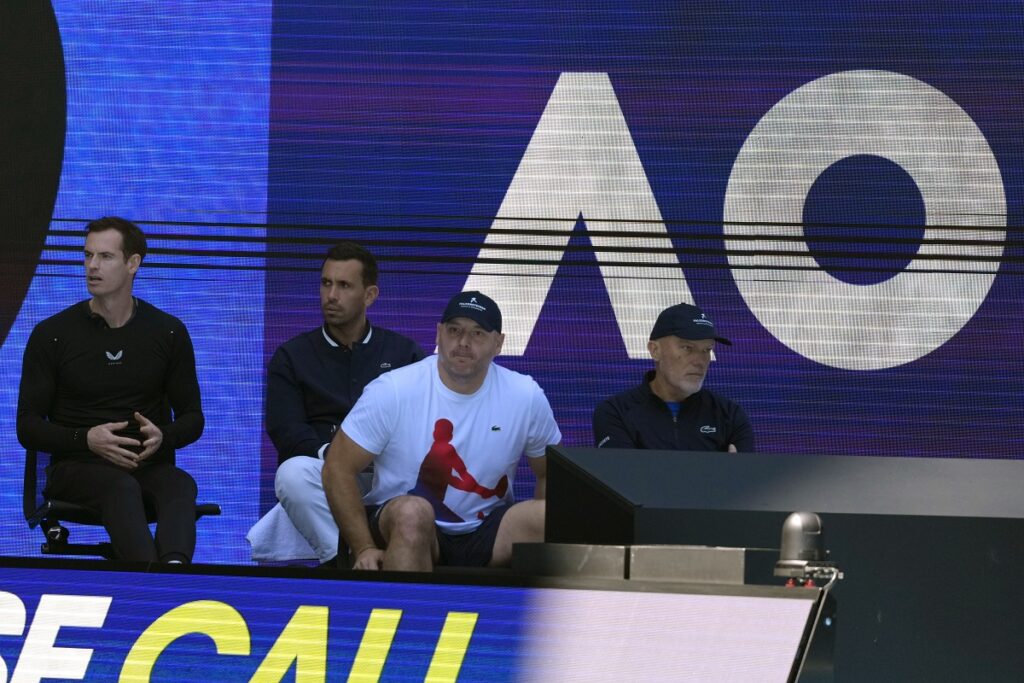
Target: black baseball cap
[
  {"x": 478, "y": 307},
  {"x": 685, "y": 321}
]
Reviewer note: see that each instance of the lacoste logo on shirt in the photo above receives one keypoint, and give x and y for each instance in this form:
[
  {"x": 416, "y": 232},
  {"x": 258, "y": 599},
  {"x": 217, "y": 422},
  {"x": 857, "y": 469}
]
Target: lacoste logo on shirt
[
  {"x": 114, "y": 356},
  {"x": 385, "y": 366},
  {"x": 495, "y": 428},
  {"x": 708, "y": 429}
]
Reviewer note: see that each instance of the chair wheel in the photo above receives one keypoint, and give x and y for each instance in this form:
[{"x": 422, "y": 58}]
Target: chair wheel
[{"x": 57, "y": 534}]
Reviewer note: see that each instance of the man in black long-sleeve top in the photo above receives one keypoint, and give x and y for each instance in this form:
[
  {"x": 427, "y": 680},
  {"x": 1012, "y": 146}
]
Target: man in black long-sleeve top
[
  {"x": 313, "y": 380},
  {"x": 671, "y": 409},
  {"x": 109, "y": 389}
]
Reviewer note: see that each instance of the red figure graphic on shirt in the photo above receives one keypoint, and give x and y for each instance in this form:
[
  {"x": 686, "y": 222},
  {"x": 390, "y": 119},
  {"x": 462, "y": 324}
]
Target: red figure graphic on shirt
[{"x": 443, "y": 467}]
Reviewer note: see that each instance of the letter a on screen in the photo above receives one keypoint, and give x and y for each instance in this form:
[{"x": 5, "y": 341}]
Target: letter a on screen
[{"x": 581, "y": 161}]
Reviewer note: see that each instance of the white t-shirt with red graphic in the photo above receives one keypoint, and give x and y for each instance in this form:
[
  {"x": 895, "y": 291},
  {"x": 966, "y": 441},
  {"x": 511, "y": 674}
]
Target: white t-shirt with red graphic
[{"x": 460, "y": 451}]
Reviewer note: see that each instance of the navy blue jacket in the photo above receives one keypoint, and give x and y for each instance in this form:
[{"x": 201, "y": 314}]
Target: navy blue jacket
[
  {"x": 312, "y": 383},
  {"x": 637, "y": 418}
]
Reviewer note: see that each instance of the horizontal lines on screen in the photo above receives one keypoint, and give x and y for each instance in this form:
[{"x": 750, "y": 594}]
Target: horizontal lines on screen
[{"x": 422, "y": 243}]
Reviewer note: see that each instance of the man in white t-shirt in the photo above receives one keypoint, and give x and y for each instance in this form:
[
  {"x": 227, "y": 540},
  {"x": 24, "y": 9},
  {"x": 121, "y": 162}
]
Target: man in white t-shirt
[{"x": 445, "y": 436}]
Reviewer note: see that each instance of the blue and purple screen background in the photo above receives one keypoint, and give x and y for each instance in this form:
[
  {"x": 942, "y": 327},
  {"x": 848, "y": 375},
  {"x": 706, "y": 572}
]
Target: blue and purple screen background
[{"x": 246, "y": 137}]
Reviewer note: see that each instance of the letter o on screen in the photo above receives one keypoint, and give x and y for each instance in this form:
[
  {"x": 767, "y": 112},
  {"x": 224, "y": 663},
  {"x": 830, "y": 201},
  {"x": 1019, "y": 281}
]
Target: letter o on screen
[{"x": 910, "y": 123}]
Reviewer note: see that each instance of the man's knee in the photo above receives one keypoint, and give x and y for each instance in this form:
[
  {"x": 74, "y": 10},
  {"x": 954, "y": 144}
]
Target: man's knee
[
  {"x": 182, "y": 483},
  {"x": 526, "y": 521},
  {"x": 409, "y": 518},
  {"x": 120, "y": 487},
  {"x": 167, "y": 484},
  {"x": 297, "y": 477}
]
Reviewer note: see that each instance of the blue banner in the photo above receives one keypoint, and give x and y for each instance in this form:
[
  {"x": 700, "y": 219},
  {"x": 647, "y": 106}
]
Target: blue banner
[{"x": 127, "y": 626}]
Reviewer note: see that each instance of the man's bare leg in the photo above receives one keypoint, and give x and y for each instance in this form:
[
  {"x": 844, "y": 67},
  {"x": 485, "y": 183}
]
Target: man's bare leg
[
  {"x": 523, "y": 523},
  {"x": 407, "y": 524}
]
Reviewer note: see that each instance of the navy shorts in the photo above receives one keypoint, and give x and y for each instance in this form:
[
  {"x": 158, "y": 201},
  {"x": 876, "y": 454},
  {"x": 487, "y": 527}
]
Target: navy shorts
[{"x": 473, "y": 549}]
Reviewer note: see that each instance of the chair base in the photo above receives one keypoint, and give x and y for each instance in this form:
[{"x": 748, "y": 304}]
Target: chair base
[
  {"x": 57, "y": 542},
  {"x": 57, "y": 534},
  {"x": 104, "y": 550}
]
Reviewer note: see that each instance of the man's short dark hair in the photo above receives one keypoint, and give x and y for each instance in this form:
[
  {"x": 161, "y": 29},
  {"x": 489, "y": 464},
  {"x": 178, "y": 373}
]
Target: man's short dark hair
[
  {"x": 132, "y": 239},
  {"x": 350, "y": 251}
]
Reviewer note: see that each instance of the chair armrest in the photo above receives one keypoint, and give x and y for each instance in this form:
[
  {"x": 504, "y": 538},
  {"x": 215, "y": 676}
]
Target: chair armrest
[{"x": 207, "y": 510}]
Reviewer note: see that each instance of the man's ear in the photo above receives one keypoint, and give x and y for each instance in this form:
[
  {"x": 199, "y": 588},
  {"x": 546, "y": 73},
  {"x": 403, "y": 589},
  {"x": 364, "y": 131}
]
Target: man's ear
[
  {"x": 134, "y": 261},
  {"x": 372, "y": 292},
  {"x": 654, "y": 348}
]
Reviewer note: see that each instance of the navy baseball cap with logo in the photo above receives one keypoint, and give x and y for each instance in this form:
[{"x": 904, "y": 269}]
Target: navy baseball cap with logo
[
  {"x": 478, "y": 307},
  {"x": 686, "y": 322}
]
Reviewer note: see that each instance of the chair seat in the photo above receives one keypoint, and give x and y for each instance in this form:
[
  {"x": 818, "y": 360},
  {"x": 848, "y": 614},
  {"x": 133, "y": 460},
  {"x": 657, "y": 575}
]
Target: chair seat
[
  {"x": 50, "y": 513},
  {"x": 81, "y": 514}
]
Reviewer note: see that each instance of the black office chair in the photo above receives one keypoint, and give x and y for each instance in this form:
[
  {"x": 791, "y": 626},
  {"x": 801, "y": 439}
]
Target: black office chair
[{"x": 49, "y": 513}]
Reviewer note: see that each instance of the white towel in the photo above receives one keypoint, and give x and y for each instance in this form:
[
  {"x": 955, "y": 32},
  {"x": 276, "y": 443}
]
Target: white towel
[{"x": 275, "y": 539}]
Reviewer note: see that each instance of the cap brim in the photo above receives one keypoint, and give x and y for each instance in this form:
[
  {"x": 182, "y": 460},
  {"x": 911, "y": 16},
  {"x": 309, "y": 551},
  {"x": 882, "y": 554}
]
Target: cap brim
[
  {"x": 720, "y": 340},
  {"x": 486, "y": 326}
]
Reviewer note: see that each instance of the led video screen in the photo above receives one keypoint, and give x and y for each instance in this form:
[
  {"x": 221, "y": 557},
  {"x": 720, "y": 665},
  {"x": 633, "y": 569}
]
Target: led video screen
[{"x": 837, "y": 185}]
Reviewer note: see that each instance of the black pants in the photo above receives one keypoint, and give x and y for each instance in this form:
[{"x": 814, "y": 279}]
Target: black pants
[{"x": 122, "y": 497}]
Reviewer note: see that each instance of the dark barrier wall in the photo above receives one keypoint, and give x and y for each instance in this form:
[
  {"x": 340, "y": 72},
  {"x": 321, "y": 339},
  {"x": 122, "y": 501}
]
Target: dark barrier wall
[
  {"x": 931, "y": 549},
  {"x": 837, "y": 184}
]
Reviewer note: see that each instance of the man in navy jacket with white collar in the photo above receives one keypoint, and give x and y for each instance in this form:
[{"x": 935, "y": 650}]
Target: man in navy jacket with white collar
[{"x": 315, "y": 378}]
